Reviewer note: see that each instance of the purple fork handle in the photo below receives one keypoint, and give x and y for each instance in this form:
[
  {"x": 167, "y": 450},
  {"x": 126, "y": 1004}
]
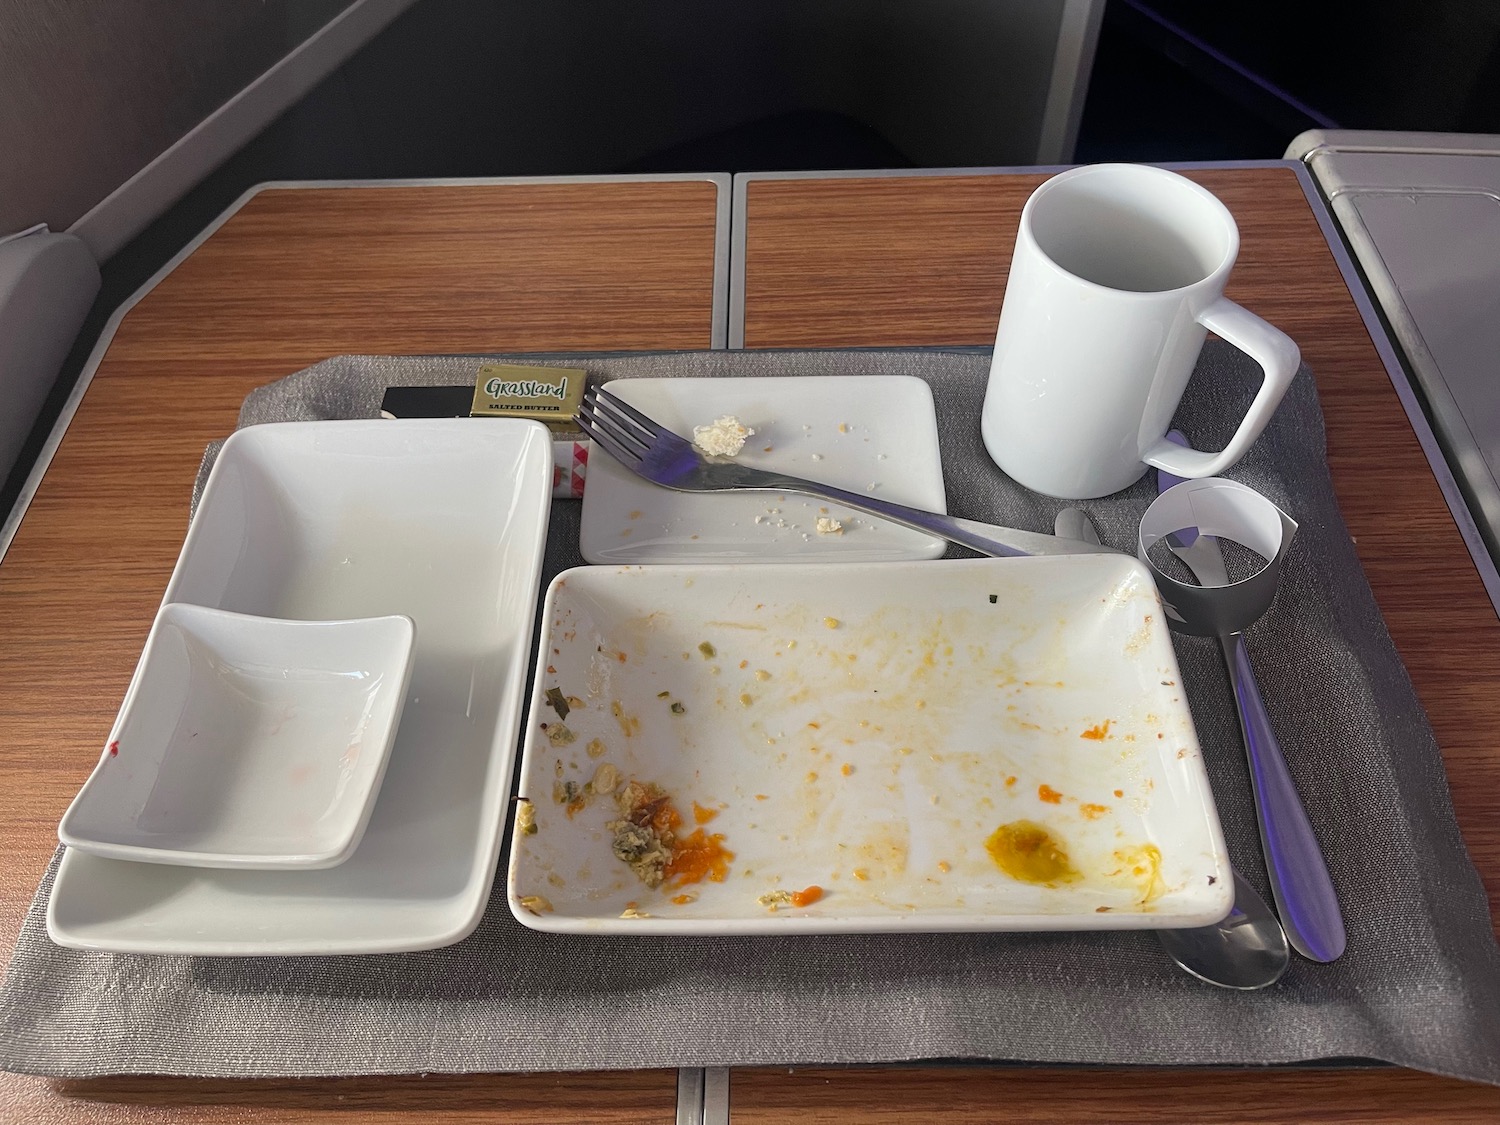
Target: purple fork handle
[{"x": 1300, "y": 884}]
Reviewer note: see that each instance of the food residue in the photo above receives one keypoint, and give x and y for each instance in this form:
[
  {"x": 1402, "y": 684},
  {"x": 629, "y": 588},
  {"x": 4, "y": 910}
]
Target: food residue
[
  {"x": 1142, "y": 865},
  {"x": 630, "y": 725},
  {"x": 645, "y": 838},
  {"x": 1099, "y": 732},
  {"x": 557, "y": 734},
  {"x": 576, "y": 797},
  {"x": 826, "y": 525},
  {"x": 724, "y": 437},
  {"x": 774, "y": 900},
  {"x": 558, "y": 702},
  {"x": 526, "y": 818},
  {"x": 1028, "y": 853},
  {"x": 1049, "y": 794},
  {"x": 536, "y": 904}
]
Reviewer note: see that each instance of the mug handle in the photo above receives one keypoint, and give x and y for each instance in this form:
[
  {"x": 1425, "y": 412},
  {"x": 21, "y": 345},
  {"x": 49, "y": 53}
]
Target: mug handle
[{"x": 1277, "y": 355}]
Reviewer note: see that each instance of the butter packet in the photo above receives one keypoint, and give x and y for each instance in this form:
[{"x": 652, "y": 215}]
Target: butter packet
[{"x": 551, "y": 395}]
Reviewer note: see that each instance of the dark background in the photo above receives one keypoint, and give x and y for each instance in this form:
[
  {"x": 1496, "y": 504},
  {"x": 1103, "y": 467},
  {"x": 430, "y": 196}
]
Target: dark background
[{"x": 1173, "y": 80}]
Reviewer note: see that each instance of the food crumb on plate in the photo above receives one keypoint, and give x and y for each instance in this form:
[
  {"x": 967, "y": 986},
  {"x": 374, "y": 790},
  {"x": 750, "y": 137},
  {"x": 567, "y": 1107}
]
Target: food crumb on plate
[
  {"x": 829, "y": 526},
  {"x": 535, "y": 904},
  {"x": 776, "y": 899},
  {"x": 526, "y": 818},
  {"x": 724, "y": 437}
]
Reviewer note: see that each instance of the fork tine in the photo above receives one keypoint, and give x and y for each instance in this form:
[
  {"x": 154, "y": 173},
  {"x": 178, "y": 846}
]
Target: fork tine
[
  {"x": 619, "y": 452},
  {"x": 606, "y": 411},
  {"x": 618, "y": 431},
  {"x": 609, "y": 399}
]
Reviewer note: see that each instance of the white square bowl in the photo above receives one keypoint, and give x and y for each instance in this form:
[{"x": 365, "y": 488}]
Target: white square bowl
[
  {"x": 245, "y": 741},
  {"x": 441, "y": 520}
]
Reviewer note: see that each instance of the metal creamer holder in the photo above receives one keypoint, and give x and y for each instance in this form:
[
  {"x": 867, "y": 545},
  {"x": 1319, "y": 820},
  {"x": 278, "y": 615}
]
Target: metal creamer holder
[{"x": 1226, "y": 510}]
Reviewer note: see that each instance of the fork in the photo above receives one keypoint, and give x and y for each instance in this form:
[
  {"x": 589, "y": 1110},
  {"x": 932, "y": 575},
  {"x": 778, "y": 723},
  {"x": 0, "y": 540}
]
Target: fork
[{"x": 662, "y": 457}]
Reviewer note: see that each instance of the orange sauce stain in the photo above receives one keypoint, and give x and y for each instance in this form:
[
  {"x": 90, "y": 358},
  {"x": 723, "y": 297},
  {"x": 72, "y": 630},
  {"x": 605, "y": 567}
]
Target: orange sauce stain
[
  {"x": 697, "y": 857},
  {"x": 807, "y": 897},
  {"x": 1049, "y": 794},
  {"x": 1098, "y": 733},
  {"x": 846, "y": 769},
  {"x": 1028, "y": 853},
  {"x": 1009, "y": 781},
  {"x": 1119, "y": 792},
  {"x": 1142, "y": 865},
  {"x": 630, "y": 725},
  {"x": 702, "y": 815},
  {"x": 1093, "y": 812}
]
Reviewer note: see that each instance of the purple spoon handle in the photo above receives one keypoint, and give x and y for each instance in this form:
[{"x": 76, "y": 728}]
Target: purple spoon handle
[{"x": 1300, "y": 883}]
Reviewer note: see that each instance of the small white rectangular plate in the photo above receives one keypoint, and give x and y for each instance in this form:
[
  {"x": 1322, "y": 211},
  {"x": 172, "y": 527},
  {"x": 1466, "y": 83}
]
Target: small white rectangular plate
[
  {"x": 442, "y": 520},
  {"x": 871, "y": 434},
  {"x": 869, "y": 730},
  {"x": 247, "y": 741}
]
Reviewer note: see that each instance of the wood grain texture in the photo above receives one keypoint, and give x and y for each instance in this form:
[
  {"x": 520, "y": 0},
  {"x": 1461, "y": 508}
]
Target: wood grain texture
[
  {"x": 296, "y": 276},
  {"x": 593, "y": 1098},
  {"x": 910, "y": 261},
  {"x": 1023, "y": 1096}
]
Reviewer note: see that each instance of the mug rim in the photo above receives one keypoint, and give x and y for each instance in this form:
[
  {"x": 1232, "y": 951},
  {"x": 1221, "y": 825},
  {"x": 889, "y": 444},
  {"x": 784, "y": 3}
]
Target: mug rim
[{"x": 1152, "y": 171}]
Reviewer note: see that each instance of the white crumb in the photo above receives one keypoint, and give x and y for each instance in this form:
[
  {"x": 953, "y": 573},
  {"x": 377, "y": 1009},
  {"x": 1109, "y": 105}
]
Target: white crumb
[{"x": 725, "y": 437}]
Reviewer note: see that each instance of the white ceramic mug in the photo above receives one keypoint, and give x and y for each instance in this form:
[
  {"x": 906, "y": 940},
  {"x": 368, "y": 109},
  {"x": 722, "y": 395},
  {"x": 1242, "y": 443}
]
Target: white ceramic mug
[{"x": 1118, "y": 275}]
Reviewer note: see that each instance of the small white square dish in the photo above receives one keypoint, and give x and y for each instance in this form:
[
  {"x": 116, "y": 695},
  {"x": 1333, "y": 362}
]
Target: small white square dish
[
  {"x": 987, "y": 744},
  {"x": 443, "y": 521},
  {"x": 251, "y": 742},
  {"x": 874, "y": 434}
]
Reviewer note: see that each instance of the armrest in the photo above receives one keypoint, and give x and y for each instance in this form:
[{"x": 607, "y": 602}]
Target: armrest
[{"x": 47, "y": 284}]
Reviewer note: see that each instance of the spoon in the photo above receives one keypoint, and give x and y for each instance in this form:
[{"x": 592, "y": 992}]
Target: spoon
[
  {"x": 1247, "y": 949},
  {"x": 1300, "y": 884}
]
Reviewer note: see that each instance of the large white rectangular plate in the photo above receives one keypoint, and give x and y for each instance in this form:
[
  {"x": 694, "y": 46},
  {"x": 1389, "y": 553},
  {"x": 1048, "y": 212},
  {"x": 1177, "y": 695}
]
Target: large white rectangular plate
[
  {"x": 869, "y": 434},
  {"x": 444, "y": 521},
  {"x": 867, "y": 730}
]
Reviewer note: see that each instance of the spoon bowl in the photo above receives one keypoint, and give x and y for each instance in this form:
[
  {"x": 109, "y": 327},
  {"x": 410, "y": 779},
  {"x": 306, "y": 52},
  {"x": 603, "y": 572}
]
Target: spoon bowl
[{"x": 1246, "y": 951}]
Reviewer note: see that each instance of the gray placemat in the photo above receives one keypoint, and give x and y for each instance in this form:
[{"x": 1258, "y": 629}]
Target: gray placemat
[{"x": 1419, "y": 985}]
